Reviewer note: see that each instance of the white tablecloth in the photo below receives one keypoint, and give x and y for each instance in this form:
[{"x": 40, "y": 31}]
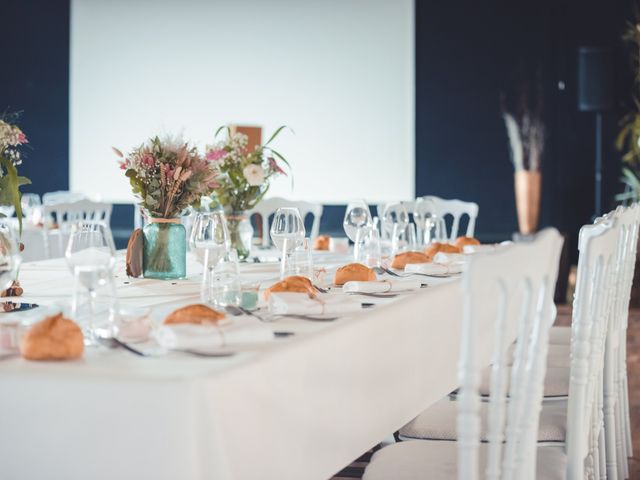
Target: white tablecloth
[{"x": 298, "y": 408}]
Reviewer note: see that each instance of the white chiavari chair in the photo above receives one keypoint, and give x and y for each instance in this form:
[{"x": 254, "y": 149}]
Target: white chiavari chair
[
  {"x": 268, "y": 207},
  {"x": 509, "y": 291},
  {"x": 456, "y": 209},
  {"x": 63, "y": 215},
  {"x": 61, "y": 196}
]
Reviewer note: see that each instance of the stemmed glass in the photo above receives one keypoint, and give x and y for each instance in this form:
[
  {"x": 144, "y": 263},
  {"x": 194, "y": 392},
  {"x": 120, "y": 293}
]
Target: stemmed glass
[
  {"x": 357, "y": 220},
  {"x": 31, "y": 207},
  {"x": 395, "y": 220},
  {"x": 90, "y": 256},
  {"x": 287, "y": 232},
  {"x": 9, "y": 256},
  {"x": 210, "y": 242}
]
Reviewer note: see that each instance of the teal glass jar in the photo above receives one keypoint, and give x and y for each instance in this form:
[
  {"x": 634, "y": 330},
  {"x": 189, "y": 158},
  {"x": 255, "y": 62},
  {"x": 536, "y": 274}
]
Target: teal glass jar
[{"x": 165, "y": 249}]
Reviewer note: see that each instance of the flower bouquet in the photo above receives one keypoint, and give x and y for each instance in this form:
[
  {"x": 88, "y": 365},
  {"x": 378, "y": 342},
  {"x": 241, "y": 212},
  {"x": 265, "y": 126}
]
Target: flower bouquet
[
  {"x": 167, "y": 176},
  {"x": 243, "y": 181},
  {"x": 11, "y": 139}
]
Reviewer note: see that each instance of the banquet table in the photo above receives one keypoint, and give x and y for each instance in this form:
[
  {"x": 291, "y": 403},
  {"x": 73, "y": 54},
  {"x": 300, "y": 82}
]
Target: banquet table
[{"x": 300, "y": 407}]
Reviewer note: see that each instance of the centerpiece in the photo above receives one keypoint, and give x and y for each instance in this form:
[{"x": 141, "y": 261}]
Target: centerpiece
[
  {"x": 524, "y": 121},
  {"x": 11, "y": 140},
  {"x": 167, "y": 176},
  {"x": 243, "y": 181}
]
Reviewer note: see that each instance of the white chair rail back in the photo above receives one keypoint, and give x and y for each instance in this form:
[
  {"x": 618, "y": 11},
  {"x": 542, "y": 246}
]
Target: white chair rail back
[
  {"x": 61, "y": 196},
  {"x": 268, "y": 207},
  {"x": 456, "y": 209},
  {"x": 514, "y": 287},
  {"x": 616, "y": 405},
  {"x": 65, "y": 214},
  {"x": 592, "y": 306}
]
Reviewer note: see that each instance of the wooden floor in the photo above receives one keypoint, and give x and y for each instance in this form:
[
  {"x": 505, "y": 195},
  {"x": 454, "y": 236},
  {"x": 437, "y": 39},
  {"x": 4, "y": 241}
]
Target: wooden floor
[{"x": 633, "y": 366}]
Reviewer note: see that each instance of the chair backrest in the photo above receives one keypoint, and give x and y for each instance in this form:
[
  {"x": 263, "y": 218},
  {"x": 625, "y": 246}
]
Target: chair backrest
[
  {"x": 510, "y": 289},
  {"x": 456, "y": 209},
  {"x": 268, "y": 207},
  {"x": 61, "y": 196},
  {"x": 595, "y": 297},
  {"x": 65, "y": 214}
]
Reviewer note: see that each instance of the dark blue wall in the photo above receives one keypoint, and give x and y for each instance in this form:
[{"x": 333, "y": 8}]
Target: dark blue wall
[
  {"x": 466, "y": 53},
  {"x": 34, "y": 78}
]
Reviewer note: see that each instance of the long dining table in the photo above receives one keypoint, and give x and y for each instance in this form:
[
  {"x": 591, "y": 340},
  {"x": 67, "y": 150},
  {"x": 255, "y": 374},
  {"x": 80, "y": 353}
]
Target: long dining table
[{"x": 298, "y": 407}]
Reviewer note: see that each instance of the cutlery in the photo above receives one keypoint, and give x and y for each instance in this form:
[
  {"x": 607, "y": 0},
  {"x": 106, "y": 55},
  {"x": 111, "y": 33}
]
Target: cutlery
[
  {"x": 376, "y": 295},
  {"x": 113, "y": 342},
  {"x": 314, "y": 318},
  {"x": 201, "y": 353},
  {"x": 233, "y": 310},
  {"x": 283, "y": 334},
  {"x": 381, "y": 270},
  {"x": 249, "y": 312},
  {"x": 320, "y": 289}
]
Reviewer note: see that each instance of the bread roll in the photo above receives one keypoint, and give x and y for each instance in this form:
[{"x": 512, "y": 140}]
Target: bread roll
[
  {"x": 354, "y": 272},
  {"x": 294, "y": 283},
  {"x": 402, "y": 259},
  {"x": 441, "y": 247},
  {"x": 197, "y": 314},
  {"x": 462, "y": 241},
  {"x": 321, "y": 242},
  {"x": 54, "y": 338}
]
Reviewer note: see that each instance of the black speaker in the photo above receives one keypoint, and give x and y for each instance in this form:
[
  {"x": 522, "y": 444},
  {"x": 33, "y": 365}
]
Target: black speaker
[{"x": 595, "y": 79}]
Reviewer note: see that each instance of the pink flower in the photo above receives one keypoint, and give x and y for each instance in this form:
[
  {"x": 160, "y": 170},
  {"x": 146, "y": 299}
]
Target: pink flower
[
  {"x": 148, "y": 161},
  {"x": 123, "y": 165},
  {"x": 22, "y": 138},
  {"x": 274, "y": 166},
  {"x": 214, "y": 155}
]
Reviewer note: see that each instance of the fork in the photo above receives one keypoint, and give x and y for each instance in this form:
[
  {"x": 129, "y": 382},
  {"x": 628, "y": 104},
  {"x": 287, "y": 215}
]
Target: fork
[
  {"x": 381, "y": 270},
  {"x": 200, "y": 353}
]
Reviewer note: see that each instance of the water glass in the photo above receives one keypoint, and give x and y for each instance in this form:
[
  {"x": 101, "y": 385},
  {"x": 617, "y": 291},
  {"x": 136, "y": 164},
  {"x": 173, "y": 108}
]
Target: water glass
[
  {"x": 9, "y": 256},
  {"x": 299, "y": 261},
  {"x": 435, "y": 230},
  {"x": 357, "y": 218},
  {"x": 31, "y": 207},
  {"x": 287, "y": 226},
  {"x": 90, "y": 256},
  {"x": 411, "y": 238},
  {"x": 221, "y": 285},
  {"x": 209, "y": 234},
  {"x": 394, "y": 222},
  {"x": 369, "y": 251}
]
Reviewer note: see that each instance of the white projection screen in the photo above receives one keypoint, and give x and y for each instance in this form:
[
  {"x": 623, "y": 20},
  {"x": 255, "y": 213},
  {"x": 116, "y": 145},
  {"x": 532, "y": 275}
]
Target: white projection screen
[{"x": 340, "y": 73}]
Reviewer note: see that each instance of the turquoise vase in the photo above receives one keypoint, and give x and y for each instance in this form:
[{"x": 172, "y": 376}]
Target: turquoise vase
[{"x": 165, "y": 250}]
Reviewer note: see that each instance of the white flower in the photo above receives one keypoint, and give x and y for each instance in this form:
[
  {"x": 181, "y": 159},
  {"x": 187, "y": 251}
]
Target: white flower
[{"x": 254, "y": 174}]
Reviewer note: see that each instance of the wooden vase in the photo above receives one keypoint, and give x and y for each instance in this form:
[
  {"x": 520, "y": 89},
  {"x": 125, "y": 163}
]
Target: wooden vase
[{"x": 527, "y": 187}]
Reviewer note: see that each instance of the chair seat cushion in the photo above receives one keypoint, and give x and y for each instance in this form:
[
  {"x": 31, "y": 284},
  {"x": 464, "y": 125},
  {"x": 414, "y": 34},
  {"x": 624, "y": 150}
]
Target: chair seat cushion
[
  {"x": 560, "y": 335},
  {"x": 556, "y": 381},
  {"x": 438, "y": 422},
  {"x": 418, "y": 460}
]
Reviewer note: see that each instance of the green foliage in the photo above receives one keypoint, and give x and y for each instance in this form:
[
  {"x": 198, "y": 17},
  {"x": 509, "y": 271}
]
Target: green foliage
[{"x": 10, "y": 184}]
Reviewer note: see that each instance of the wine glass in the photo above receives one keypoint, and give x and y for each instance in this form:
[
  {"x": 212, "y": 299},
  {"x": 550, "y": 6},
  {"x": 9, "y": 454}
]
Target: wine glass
[
  {"x": 287, "y": 225},
  {"x": 9, "y": 256},
  {"x": 209, "y": 234},
  {"x": 395, "y": 220},
  {"x": 90, "y": 256},
  {"x": 357, "y": 217},
  {"x": 31, "y": 207},
  {"x": 299, "y": 262}
]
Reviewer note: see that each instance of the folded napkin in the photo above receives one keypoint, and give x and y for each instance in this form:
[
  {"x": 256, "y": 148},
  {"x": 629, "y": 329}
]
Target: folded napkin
[
  {"x": 189, "y": 336},
  {"x": 448, "y": 258},
  {"x": 479, "y": 248},
  {"x": 300, "y": 304},
  {"x": 435, "y": 268},
  {"x": 396, "y": 285}
]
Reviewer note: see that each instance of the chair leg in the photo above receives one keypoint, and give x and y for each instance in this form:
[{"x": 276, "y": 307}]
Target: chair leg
[{"x": 609, "y": 414}]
